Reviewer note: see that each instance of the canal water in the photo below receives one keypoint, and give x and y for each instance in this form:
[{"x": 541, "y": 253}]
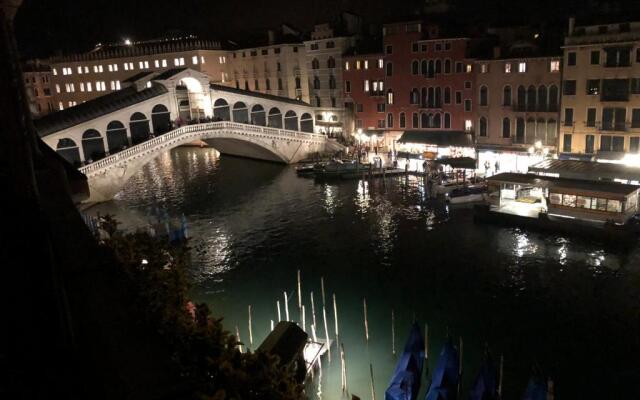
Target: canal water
[{"x": 570, "y": 305}]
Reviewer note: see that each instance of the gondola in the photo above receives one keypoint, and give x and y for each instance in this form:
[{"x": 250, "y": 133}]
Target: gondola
[
  {"x": 537, "y": 388},
  {"x": 444, "y": 382},
  {"x": 485, "y": 386},
  {"x": 405, "y": 382}
]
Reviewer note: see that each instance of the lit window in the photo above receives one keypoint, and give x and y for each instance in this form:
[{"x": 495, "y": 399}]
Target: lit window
[
  {"x": 554, "y": 66},
  {"x": 82, "y": 86},
  {"x": 71, "y": 104},
  {"x": 201, "y": 59},
  {"x": 115, "y": 67},
  {"x": 346, "y": 65},
  {"x": 375, "y": 86},
  {"x": 380, "y": 63},
  {"x": 110, "y": 68},
  {"x": 522, "y": 67},
  {"x": 484, "y": 68},
  {"x": 467, "y": 125},
  {"x": 507, "y": 68},
  {"x": 194, "y": 60},
  {"x": 95, "y": 69},
  {"x": 366, "y": 85},
  {"x": 72, "y": 87},
  {"x": 469, "y": 68},
  {"x": 156, "y": 63},
  {"x": 181, "y": 60},
  {"x": 79, "y": 69},
  {"x": 88, "y": 86},
  {"x": 55, "y": 73},
  {"x": 149, "y": 84},
  {"x": 66, "y": 87},
  {"x": 86, "y": 69},
  {"x": 60, "y": 107},
  {"x": 57, "y": 88},
  {"x": 141, "y": 65},
  {"x": 366, "y": 64},
  {"x": 390, "y": 97},
  {"x": 381, "y": 86},
  {"x": 126, "y": 66},
  {"x": 176, "y": 62},
  {"x": 117, "y": 85},
  {"x": 164, "y": 63},
  {"x": 358, "y": 64},
  {"x": 112, "y": 85}
]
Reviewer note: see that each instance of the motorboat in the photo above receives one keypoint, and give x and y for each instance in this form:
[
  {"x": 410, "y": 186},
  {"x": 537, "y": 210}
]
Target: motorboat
[
  {"x": 405, "y": 382},
  {"x": 467, "y": 194}
]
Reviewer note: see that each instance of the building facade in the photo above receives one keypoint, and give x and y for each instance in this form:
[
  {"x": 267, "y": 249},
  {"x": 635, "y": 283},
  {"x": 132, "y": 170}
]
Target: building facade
[
  {"x": 516, "y": 104},
  {"x": 324, "y": 68},
  {"x": 600, "y": 115},
  {"x": 82, "y": 77},
  {"x": 37, "y": 80},
  {"x": 363, "y": 86}
]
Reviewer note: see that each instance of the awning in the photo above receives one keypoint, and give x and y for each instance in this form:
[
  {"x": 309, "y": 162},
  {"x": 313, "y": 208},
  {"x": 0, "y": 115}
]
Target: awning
[
  {"x": 458, "y": 162},
  {"x": 438, "y": 138}
]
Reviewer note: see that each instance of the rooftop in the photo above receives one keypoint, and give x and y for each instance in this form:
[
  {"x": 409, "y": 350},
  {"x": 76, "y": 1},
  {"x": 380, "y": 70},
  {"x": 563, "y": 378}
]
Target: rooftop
[
  {"x": 258, "y": 94},
  {"x": 95, "y": 108},
  {"x": 587, "y": 170}
]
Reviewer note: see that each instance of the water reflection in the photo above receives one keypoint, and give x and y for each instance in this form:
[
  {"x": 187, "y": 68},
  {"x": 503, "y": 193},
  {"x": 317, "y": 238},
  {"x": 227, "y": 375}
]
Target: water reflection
[{"x": 530, "y": 294}]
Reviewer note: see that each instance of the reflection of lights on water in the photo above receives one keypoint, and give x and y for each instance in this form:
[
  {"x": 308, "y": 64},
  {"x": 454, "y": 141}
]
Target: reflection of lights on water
[
  {"x": 329, "y": 199},
  {"x": 524, "y": 246},
  {"x": 363, "y": 199}
]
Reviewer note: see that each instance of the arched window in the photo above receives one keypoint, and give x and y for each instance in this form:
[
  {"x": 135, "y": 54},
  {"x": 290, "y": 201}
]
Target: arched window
[
  {"x": 531, "y": 98},
  {"x": 116, "y": 136},
  {"x": 316, "y": 82},
  {"x": 553, "y": 98},
  {"x": 221, "y": 110},
  {"x": 415, "y": 121},
  {"x": 332, "y": 82},
  {"x": 258, "y": 115},
  {"x": 522, "y": 98},
  {"x": 306, "y": 123},
  {"x": 389, "y": 120},
  {"x": 403, "y": 120},
  {"x": 483, "y": 126},
  {"x": 438, "y": 66},
  {"x": 160, "y": 119},
  {"x": 331, "y": 62},
  {"x": 68, "y": 149},
  {"x": 531, "y": 131},
  {"x": 275, "y": 118},
  {"x": 431, "y": 99},
  {"x": 484, "y": 96},
  {"x": 506, "y": 128},
  {"x": 520, "y": 130},
  {"x": 506, "y": 96},
  {"x": 415, "y": 67},
  {"x": 542, "y": 98},
  {"x": 389, "y": 69},
  {"x": 240, "y": 113},
  {"x": 318, "y": 102},
  {"x": 552, "y": 132},
  {"x": 424, "y": 120},
  {"x": 541, "y": 130},
  {"x": 447, "y": 95},
  {"x": 315, "y": 64},
  {"x": 437, "y": 121},
  {"x": 291, "y": 120},
  {"x": 423, "y": 97},
  {"x": 139, "y": 127},
  {"x": 438, "y": 100},
  {"x": 447, "y": 66},
  {"x": 298, "y": 86},
  {"x": 267, "y": 84},
  {"x": 92, "y": 145},
  {"x": 432, "y": 70},
  {"x": 423, "y": 67},
  {"x": 447, "y": 121},
  {"x": 414, "y": 96}
]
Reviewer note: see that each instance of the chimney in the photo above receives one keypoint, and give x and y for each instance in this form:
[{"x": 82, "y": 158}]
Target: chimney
[
  {"x": 572, "y": 25},
  {"x": 496, "y": 52},
  {"x": 271, "y": 35}
]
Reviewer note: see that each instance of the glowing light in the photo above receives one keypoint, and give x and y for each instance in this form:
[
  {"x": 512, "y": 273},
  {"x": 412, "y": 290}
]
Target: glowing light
[
  {"x": 531, "y": 150},
  {"x": 538, "y": 144},
  {"x": 144, "y": 261},
  {"x": 127, "y": 42}
]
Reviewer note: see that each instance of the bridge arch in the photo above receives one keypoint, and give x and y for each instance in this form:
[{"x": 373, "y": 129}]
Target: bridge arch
[
  {"x": 275, "y": 118},
  {"x": 68, "y": 149},
  {"x": 291, "y": 120},
  {"x": 258, "y": 115},
  {"x": 116, "y": 136},
  {"x": 92, "y": 145},
  {"x": 139, "y": 127},
  {"x": 160, "y": 119},
  {"x": 306, "y": 123},
  {"x": 221, "y": 110},
  {"x": 240, "y": 113}
]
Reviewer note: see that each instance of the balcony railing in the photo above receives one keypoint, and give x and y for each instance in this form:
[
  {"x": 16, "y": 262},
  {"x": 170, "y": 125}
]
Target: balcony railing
[{"x": 535, "y": 108}]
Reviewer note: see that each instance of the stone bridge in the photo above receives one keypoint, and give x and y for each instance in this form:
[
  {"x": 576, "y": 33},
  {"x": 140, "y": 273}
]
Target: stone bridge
[{"x": 108, "y": 175}]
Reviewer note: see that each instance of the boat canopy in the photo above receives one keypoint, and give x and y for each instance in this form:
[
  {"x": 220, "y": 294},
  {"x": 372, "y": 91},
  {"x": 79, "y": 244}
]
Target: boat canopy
[
  {"x": 458, "y": 162},
  {"x": 485, "y": 386},
  {"x": 444, "y": 382},
  {"x": 405, "y": 382}
]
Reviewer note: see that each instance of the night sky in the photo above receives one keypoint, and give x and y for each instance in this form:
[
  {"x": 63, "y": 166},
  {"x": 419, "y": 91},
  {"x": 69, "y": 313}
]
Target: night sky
[{"x": 44, "y": 27}]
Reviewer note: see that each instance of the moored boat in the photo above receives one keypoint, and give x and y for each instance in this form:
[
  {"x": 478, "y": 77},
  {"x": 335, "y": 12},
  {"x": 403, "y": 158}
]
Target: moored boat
[
  {"x": 485, "y": 386},
  {"x": 446, "y": 376},
  {"x": 468, "y": 194},
  {"x": 405, "y": 382}
]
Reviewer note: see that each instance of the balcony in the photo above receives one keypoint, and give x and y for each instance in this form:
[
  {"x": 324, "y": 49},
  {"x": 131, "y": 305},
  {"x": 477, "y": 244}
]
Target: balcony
[
  {"x": 535, "y": 108},
  {"x": 613, "y": 126}
]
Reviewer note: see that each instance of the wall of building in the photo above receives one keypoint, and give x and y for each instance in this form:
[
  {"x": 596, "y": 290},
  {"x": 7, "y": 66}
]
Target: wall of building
[
  {"x": 39, "y": 93},
  {"x": 359, "y": 74},
  {"x": 592, "y": 135}
]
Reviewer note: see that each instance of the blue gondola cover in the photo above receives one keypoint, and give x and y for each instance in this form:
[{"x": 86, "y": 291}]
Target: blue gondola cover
[
  {"x": 444, "y": 382},
  {"x": 405, "y": 382}
]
